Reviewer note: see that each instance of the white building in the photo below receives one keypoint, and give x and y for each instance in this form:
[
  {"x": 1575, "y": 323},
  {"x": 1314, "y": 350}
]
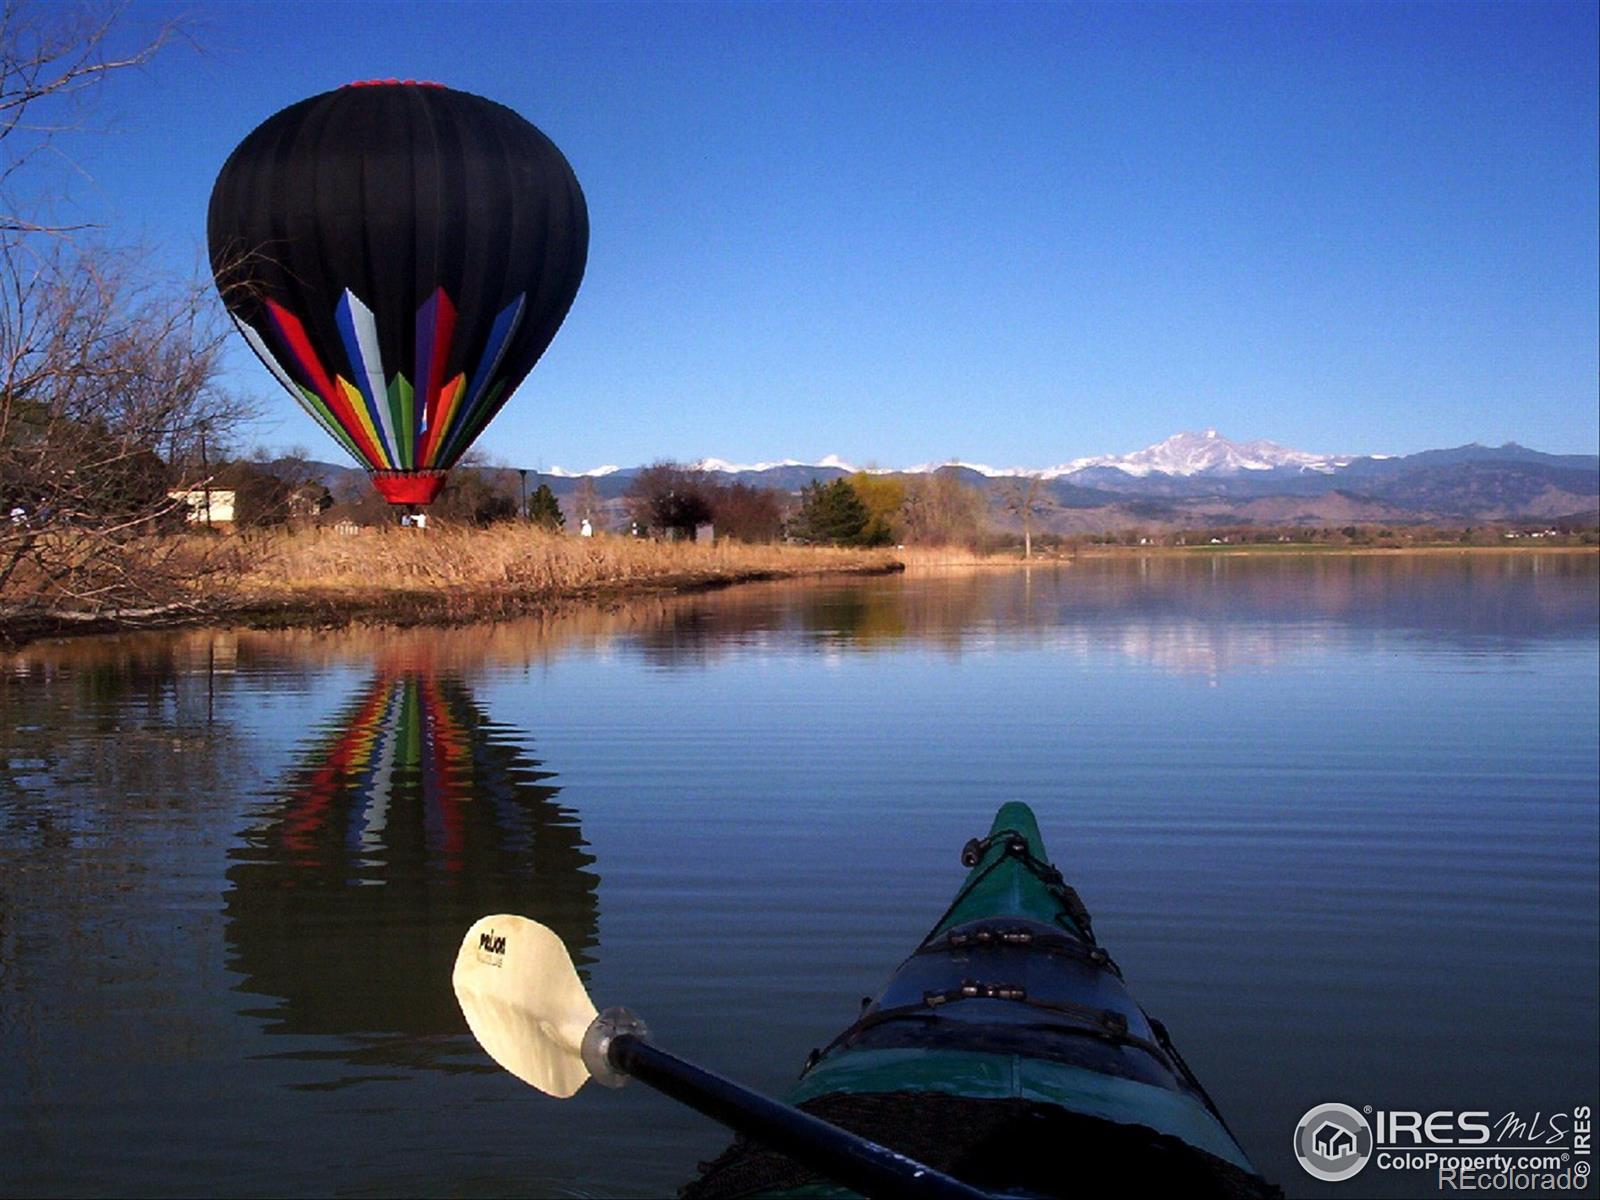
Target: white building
[{"x": 207, "y": 506}]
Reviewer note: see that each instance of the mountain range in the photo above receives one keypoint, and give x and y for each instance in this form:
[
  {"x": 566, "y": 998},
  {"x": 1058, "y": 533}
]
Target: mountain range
[{"x": 1205, "y": 479}]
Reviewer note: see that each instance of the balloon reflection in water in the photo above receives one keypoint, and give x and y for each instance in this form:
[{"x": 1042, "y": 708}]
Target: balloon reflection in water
[{"x": 412, "y": 818}]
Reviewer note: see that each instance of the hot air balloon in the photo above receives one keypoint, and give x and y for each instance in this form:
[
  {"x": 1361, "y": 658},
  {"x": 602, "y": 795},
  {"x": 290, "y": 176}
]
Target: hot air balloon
[{"x": 399, "y": 255}]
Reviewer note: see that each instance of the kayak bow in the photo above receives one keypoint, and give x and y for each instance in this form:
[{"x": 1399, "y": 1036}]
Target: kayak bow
[{"x": 1006, "y": 1051}]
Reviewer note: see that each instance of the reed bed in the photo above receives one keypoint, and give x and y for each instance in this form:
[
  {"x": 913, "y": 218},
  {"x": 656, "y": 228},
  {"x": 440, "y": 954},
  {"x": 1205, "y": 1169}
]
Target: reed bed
[
  {"x": 460, "y": 573},
  {"x": 939, "y": 558}
]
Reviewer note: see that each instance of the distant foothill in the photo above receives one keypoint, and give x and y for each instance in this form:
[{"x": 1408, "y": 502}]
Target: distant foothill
[{"x": 1190, "y": 481}]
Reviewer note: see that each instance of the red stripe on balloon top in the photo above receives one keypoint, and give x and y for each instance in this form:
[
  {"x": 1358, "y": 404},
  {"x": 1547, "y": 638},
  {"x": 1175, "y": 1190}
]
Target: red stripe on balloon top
[{"x": 393, "y": 83}]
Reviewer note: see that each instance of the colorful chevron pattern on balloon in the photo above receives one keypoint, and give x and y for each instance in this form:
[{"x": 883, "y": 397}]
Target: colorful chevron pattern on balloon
[{"x": 381, "y": 417}]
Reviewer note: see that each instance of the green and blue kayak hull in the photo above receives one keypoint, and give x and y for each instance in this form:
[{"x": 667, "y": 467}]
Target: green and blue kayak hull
[{"x": 1007, "y": 1050}]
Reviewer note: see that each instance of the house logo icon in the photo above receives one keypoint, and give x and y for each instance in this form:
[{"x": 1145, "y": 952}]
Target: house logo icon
[{"x": 1333, "y": 1142}]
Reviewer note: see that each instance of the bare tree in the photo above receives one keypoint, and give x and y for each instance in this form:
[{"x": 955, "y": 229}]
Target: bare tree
[
  {"x": 1019, "y": 496},
  {"x": 479, "y": 491},
  {"x": 52, "y": 56},
  {"x": 586, "y": 500},
  {"x": 109, "y": 404},
  {"x": 941, "y": 510},
  {"x": 750, "y": 514},
  {"x": 301, "y": 495},
  {"x": 110, "y": 413},
  {"x": 668, "y": 497}
]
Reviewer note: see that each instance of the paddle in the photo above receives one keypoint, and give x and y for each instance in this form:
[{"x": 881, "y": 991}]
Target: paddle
[{"x": 527, "y": 1007}]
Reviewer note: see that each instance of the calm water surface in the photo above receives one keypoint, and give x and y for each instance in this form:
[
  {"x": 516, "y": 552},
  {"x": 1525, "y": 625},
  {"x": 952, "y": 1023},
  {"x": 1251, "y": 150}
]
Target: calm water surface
[{"x": 1336, "y": 817}]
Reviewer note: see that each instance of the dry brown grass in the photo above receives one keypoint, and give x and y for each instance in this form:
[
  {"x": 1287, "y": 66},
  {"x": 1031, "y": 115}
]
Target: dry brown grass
[
  {"x": 462, "y": 572},
  {"x": 938, "y": 558},
  {"x": 391, "y": 576}
]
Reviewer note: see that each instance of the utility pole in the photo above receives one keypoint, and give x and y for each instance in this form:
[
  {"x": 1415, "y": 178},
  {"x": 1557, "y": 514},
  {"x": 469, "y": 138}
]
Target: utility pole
[{"x": 205, "y": 471}]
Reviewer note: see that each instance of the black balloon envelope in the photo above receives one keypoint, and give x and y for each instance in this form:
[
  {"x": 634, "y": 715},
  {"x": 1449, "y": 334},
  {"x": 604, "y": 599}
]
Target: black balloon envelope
[{"x": 399, "y": 255}]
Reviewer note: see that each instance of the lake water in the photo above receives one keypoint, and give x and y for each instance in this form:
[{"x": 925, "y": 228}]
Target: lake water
[{"x": 1337, "y": 818}]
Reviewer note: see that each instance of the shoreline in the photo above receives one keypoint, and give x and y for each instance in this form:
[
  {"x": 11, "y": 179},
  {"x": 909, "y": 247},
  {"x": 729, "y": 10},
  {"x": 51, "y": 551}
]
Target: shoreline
[
  {"x": 452, "y": 578},
  {"x": 404, "y": 609},
  {"x": 914, "y": 560},
  {"x": 265, "y": 603}
]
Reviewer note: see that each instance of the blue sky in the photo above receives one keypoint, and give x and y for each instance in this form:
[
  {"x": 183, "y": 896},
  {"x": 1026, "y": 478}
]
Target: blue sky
[{"x": 1014, "y": 234}]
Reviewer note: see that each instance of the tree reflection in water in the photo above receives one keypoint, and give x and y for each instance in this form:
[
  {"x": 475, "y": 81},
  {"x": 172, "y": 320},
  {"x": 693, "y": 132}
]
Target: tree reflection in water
[{"x": 1181, "y": 614}]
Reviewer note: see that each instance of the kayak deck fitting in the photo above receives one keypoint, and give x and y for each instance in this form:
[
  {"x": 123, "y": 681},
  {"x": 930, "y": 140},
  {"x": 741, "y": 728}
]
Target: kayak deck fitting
[{"x": 1007, "y": 1051}]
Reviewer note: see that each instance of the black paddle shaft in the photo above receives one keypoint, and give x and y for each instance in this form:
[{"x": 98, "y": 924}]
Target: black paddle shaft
[{"x": 865, "y": 1166}]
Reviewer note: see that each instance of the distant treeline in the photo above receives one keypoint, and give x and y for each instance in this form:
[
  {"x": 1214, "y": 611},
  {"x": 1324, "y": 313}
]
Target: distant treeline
[
  {"x": 857, "y": 510},
  {"x": 1379, "y": 536},
  {"x": 672, "y": 500}
]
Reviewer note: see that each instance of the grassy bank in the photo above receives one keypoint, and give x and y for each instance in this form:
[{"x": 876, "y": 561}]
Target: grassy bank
[
  {"x": 442, "y": 575},
  {"x": 463, "y": 573}
]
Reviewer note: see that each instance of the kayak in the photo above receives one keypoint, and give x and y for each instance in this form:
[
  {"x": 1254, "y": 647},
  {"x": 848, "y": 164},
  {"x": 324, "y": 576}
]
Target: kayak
[{"x": 1007, "y": 1051}]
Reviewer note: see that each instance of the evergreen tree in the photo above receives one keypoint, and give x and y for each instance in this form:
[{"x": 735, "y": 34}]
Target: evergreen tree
[
  {"x": 831, "y": 513},
  {"x": 544, "y": 510}
]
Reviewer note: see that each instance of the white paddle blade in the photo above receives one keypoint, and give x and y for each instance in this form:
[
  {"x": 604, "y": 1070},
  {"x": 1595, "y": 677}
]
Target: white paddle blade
[{"x": 524, "y": 1002}]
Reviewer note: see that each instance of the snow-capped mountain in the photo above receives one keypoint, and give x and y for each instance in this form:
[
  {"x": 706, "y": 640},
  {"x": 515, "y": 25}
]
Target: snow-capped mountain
[
  {"x": 1182, "y": 455},
  {"x": 1205, "y": 477},
  {"x": 828, "y": 462},
  {"x": 1207, "y": 453}
]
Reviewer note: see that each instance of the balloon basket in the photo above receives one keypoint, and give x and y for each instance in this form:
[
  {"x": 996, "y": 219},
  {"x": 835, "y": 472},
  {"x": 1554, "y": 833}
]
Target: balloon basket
[{"x": 408, "y": 487}]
